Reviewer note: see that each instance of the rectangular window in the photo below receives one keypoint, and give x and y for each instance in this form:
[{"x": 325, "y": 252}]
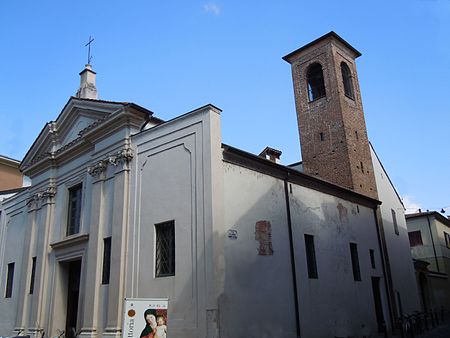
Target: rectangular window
[
  {"x": 165, "y": 249},
  {"x": 447, "y": 239},
  {"x": 106, "y": 260},
  {"x": 372, "y": 258},
  {"x": 394, "y": 220},
  {"x": 355, "y": 261},
  {"x": 9, "y": 280},
  {"x": 74, "y": 211},
  {"x": 311, "y": 256},
  {"x": 415, "y": 238},
  {"x": 33, "y": 272}
]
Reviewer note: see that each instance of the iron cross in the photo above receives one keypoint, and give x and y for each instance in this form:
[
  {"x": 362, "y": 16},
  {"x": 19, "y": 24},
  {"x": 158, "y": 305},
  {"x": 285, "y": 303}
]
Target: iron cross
[{"x": 89, "y": 49}]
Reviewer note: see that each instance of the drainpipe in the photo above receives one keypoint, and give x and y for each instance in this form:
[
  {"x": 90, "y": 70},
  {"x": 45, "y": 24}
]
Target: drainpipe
[
  {"x": 291, "y": 250},
  {"x": 432, "y": 242}
]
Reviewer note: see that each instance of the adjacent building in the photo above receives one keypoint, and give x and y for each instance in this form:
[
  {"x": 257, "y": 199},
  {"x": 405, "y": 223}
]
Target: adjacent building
[
  {"x": 10, "y": 175},
  {"x": 429, "y": 237}
]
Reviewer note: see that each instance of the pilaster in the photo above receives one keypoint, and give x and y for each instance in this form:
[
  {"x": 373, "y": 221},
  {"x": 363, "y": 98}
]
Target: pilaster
[
  {"x": 40, "y": 213},
  {"x": 94, "y": 252},
  {"x": 22, "y": 307},
  {"x": 39, "y": 317},
  {"x": 119, "y": 240}
]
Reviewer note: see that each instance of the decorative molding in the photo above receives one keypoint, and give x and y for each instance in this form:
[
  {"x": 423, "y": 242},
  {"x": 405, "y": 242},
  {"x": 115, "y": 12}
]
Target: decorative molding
[
  {"x": 52, "y": 127},
  {"x": 123, "y": 156},
  {"x": 35, "y": 201},
  {"x": 98, "y": 168},
  {"x": 70, "y": 241}
]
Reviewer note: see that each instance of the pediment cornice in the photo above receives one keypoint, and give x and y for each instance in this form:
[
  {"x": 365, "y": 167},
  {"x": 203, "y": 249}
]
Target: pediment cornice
[{"x": 60, "y": 141}]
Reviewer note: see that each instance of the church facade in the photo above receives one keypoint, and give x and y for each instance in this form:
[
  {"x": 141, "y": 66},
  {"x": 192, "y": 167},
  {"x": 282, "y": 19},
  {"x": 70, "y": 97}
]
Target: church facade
[{"x": 125, "y": 205}]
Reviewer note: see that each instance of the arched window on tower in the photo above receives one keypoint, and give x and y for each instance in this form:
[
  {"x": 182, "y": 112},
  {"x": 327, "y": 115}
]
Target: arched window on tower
[
  {"x": 316, "y": 85},
  {"x": 347, "y": 80}
]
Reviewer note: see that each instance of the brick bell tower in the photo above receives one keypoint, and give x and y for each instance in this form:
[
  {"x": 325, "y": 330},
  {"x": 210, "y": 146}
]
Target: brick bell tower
[{"x": 330, "y": 115}]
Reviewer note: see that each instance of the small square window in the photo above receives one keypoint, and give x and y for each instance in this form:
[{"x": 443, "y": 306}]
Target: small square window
[
  {"x": 74, "y": 210},
  {"x": 165, "y": 249},
  {"x": 447, "y": 239},
  {"x": 415, "y": 238}
]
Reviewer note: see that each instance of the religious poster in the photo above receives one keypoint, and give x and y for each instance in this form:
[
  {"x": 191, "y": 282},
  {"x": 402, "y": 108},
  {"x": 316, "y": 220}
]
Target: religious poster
[{"x": 145, "y": 318}]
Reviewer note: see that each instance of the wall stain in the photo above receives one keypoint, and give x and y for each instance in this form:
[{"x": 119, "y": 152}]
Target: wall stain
[{"x": 343, "y": 217}]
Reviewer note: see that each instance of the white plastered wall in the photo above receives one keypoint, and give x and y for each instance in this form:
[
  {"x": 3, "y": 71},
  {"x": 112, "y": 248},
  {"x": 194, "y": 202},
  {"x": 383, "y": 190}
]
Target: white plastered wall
[
  {"x": 402, "y": 268},
  {"x": 256, "y": 297},
  {"x": 172, "y": 179}
]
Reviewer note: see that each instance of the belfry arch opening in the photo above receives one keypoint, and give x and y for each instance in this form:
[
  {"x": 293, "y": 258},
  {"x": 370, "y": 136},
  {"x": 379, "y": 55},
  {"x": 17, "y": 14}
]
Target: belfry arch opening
[
  {"x": 315, "y": 81},
  {"x": 347, "y": 81}
]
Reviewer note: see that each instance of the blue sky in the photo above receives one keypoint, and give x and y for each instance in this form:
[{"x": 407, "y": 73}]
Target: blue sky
[{"x": 174, "y": 56}]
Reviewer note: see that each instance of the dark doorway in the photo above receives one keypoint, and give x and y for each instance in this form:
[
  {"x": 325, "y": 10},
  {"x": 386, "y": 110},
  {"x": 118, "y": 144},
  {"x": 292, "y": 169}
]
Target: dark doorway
[
  {"x": 423, "y": 291},
  {"x": 377, "y": 301},
  {"x": 73, "y": 292}
]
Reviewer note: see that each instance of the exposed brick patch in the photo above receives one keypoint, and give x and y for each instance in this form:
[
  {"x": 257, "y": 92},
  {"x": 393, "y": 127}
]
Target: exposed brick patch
[{"x": 263, "y": 234}]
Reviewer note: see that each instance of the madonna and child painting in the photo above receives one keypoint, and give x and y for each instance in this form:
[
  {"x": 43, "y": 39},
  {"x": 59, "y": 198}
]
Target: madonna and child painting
[{"x": 155, "y": 324}]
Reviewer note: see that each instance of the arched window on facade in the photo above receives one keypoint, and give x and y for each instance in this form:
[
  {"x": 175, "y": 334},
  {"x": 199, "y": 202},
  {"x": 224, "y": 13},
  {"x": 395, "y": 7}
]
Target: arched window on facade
[
  {"x": 347, "y": 80},
  {"x": 316, "y": 85}
]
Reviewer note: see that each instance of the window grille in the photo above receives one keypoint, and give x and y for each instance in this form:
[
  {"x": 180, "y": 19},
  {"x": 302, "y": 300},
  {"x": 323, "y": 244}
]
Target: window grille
[{"x": 165, "y": 249}]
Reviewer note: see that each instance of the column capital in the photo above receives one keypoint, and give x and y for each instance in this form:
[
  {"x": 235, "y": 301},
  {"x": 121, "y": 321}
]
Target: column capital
[{"x": 39, "y": 198}]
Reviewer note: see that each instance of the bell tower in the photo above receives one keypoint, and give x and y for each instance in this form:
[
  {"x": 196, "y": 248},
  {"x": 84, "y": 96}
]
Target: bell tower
[{"x": 330, "y": 115}]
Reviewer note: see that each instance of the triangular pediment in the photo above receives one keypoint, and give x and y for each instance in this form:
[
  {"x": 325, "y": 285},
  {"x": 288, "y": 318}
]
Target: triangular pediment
[{"x": 77, "y": 116}]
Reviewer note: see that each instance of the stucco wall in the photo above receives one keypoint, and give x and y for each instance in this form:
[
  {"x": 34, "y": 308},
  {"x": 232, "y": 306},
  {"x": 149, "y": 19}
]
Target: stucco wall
[
  {"x": 401, "y": 264},
  {"x": 257, "y": 295},
  {"x": 42, "y": 234},
  {"x": 12, "y": 241},
  {"x": 172, "y": 180}
]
